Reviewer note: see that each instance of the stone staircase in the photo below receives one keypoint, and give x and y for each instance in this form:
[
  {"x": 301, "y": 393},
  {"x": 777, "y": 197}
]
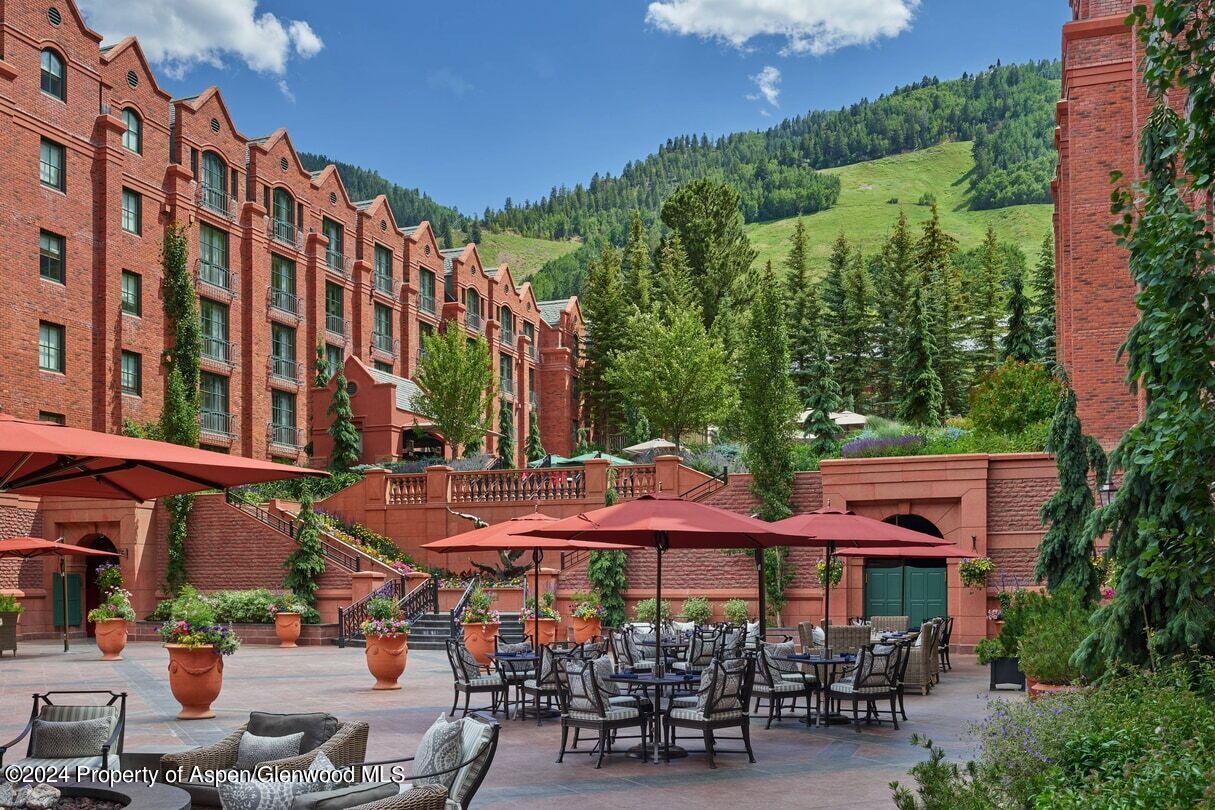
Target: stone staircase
[{"x": 430, "y": 631}]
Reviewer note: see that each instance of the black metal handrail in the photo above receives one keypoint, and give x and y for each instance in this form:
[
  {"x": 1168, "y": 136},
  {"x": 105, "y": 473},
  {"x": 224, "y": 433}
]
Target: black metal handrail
[
  {"x": 571, "y": 558},
  {"x": 422, "y": 599},
  {"x": 457, "y": 612},
  {"x": 352, "y": 617},
  {"x": 329, "y": 548},
  {"x": 706, "y": 488}
]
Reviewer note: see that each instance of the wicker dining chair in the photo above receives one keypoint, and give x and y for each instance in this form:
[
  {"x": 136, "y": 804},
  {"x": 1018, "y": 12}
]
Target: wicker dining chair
[
  {"x": 470, "y": 678},
  {"x": 847, "y": 638},
  {"x": 921, "y": 669},
  {"x": 889, "y": 624},
  {"x": 772, "y": 687},
  {"x": 721, "y": 703},
  {"x": 586, "y": 706},
  {"x": 874, "y": 678}
]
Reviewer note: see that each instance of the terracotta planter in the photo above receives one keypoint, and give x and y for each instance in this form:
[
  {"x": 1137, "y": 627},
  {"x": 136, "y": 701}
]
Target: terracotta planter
[
  {"x": 548, "y": 631},
  {"x": 479, "y": 639},
  {"x": 585, "y": 629},
  {"x": 196, "y": 674},
  {"x": 1041, "y": 690},
  {"x": 111, "y": 638},
  {"x": 386, "y": 659},
  {"x": 287, "y": 627}
]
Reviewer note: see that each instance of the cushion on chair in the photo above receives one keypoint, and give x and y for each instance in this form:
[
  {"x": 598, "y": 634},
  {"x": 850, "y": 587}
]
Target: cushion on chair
[
  {"x": 341, "y": 798},
  {"x": 604, "y": 669},
  {"x": 486, "y": 680},
  {"x": 274, "y": 794},
  {"x": 774, "y": 652},
  {"x": 581, "y": 679},
  {"x": 781, "y": 686},
  {"x": 719, "y": 690},
  {"x": 516, "y": 648},
  {"x": 317, "y": 727},
  {"x": 692, "y": 713},
  {"x": 441, "y": 748},
  {"x": 614, "y": 713},
  {"x": 474, "y": 738},
  {"x": 846, "y": 688},
  {"x": 70, "y": 738},
  {"x": 253, "y": 750},
  {"x": 63, "y": 763},
  {"x": 798, "y": 677}
]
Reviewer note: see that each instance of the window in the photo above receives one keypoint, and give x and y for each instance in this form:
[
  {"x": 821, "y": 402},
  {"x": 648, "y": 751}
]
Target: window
[
  {"x": 425, "y": 332},
  {"x": 531, "y": 386},
  {"x": 51, "y": 416},
  {"x": 213, "y": 256},
  {"x": 214, "y": 416},
  {"x": 529, "y": 332},
  {"x": 50, "y": 346},
  {"x": 335, "y": 308},
  {"x": 51, "y": 166},
  {"x": 334, "y": 256},
  {"x": 132, "y": 374},
  {"x": 381, "y": 335},
  {"x": 284, "y": 216},
  {"x": 282, "y": 418},
  {"x": 214, "y": 187},
  {"x": 426, "y": 291},
  {"x": 282, "y": 283},
  {"x": 383, "y": 269},
  {"x": 214, "y": 317},
  {"x": 132, "y": 136},
  {"x": 282, "y": 352},
  {"x": 53, "y": 81},
  {"x": 507, "y": 319},
  {"x": 472, "y": 309},
  {"x": 380, "y": 365},
  {"x": 50, "y": 257},
  {"x": 506, "y": 373},
  {"x": 132, "y": 293},
  {"x": 132, "y": 211},
  {"x": 333, "y": 355}
]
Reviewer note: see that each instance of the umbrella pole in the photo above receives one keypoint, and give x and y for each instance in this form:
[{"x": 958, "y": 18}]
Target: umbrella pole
[
  {"x": 763, "y": 608},
  {"x": 827, "y": 601},
  {"x": 63, "y": 589},
  {"x": 659, "y": 669},
  {"x": 537, "y": 554}
]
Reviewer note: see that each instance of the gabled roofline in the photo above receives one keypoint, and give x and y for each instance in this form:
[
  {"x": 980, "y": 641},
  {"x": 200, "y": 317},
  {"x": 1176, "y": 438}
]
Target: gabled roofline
[
  {"x": 197, "y": 102},
  {"x": 321, "y": 177},
  {"x": 365, "y": 207},
  {"x": 76, "y": 15},
  {"x": 111, "y": 53},
  {"x": 265, "y": 144}
]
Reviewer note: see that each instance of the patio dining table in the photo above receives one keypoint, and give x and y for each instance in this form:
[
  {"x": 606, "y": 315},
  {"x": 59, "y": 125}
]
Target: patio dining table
[
  {"x": 663, "y": 749},
  {"x": 511, "y": 666},
  {"x": 826, "y": 671}
]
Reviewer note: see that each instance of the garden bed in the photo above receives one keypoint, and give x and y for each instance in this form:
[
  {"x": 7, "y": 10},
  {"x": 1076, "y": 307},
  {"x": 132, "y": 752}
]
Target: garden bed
[{"x": 249, "y": 633}]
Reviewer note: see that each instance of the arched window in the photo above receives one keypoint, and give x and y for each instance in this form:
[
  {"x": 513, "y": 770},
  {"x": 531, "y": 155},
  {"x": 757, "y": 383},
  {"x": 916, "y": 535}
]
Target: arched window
[
  {"x": 132, "y": 136},
  {"x": 53, "y": 81},
  {"x": 472, "y": 309},
  {"x": 284, "y": 215},
  {"x": 214, "y": 182}
]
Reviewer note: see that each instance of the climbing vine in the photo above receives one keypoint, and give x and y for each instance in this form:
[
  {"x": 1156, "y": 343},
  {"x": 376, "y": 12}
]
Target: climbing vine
[{"x": 307, "y": 562}]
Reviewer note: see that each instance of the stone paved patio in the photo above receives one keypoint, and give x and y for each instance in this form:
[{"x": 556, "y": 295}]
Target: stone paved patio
[{"x": 797, "y": 766}]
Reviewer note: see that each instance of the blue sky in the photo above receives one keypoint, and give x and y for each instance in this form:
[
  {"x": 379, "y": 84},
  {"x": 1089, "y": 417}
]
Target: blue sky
[{"x": 477, "y": 100}]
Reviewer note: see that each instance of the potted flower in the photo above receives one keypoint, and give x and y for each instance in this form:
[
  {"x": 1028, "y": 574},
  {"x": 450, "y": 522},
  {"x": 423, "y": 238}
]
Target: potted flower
[
  {"x": 481, "y": 623},
  {"x": 736, "y": 611},
  {"x": 387, "y": 636},
  {"x": 974, "y": 571},
  {"x": 1000, "y": 653},
  {"x": 286, "y": 610},
  {"x": 644, "y": 611},
  {"x": 547, "y": 621},
  {"x": 696, "y": 609},
  {"x": 837, "y": 571},
  {"x": 110, "y": 619},
  {"x": 196, "y": 645},
  {"x": 587, "y": 616},
  {"x": 10, "y": 614}
]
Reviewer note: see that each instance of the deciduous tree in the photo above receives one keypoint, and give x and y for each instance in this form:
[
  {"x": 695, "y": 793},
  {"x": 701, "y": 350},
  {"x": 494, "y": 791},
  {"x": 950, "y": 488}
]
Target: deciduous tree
[{"x": 457, "y": 387}]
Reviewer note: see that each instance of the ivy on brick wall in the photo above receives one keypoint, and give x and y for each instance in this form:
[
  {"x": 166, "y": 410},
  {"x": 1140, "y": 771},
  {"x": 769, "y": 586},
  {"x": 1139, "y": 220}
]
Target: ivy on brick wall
[{"x": 307, "y": 562}]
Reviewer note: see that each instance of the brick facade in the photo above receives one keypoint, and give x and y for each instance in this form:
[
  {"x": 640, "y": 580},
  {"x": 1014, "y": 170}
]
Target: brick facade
[{"x": 269, "y": 243}]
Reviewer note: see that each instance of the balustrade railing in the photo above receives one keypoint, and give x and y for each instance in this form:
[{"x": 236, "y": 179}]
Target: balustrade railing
[
  {"x": 215, "y": 275},
  {"x": 634, "y": 481},
  {"x": 406, "y": 489},
  {"x": 473, "y": 321},
  {"x": 383, "y": 284},
  {"x": 383, "y": 342},
  {"x": 707, "y": 487},
  {"x": 217, "y": 423},
  {"x": 284, "y": 436},
  {"x": 337, "y": 262},
  {"x": 283, "y": 301},
  {"x": 219, "y": 350},
  {"x": 216, "y": 200},
  {"x": 331, "y": 548},
  {"x": 335, "y": 324},
  {"x": 282, "y": 368},
  {"x": 488, "y": 486},
  {"x": 285, "y": 232},
  {"x": 426, "y": 303}
]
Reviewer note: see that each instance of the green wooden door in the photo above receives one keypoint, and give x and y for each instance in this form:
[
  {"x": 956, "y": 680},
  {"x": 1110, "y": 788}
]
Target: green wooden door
[
  {"x": 883, "y": 588},
  {"x": 73, "y": 600},
  {"x": 924, "y": 593}
]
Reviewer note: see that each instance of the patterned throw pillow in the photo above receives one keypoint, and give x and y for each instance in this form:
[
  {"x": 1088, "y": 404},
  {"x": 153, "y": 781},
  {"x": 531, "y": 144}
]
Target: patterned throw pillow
[
  {"x": 773, "y": 653},
  {"x": 520, "y": 647},
  {"x": 70, "y": 738},
  {"x": 581, "y": 678},
  {"x": 469, "y": 663},
  {"x": 254, "y": 750},
  {"x": 871, "y": 666},
  {"x": 256, "y": 794},
  {"x": 441, "y": 748},
  {"x": 720, "y": 687},
  {"x": 604, "y": 669}
]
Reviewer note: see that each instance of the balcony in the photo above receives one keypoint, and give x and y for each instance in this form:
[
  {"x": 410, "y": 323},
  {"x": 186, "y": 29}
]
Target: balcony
[
  {"x": 216, "y": 200},
  {"x": 473, "y": 321},
  {"x": 217, "y": 423},
  {"x": 283, "y": 301},
  {"x": 216, "y": 276},
  {"x": 285, "y": 233},
  {"x": 507, "y": 338},
  {"x": 335, "y": 325},
  {"x": 337, "y": 263},
  {"x": 426, "y": 303},
  {"x": 383, "y": 342},
  {"x": 383, "y": 284},
  {"x": 507, "y": 387},
  {"x": 285, "y": 436},
  {"x": 281, "y": 368},
  {"x": 219, "y": 350}
]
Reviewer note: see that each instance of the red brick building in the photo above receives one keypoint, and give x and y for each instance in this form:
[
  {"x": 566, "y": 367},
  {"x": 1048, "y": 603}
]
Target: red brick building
[{"x": 99, "y": 162}]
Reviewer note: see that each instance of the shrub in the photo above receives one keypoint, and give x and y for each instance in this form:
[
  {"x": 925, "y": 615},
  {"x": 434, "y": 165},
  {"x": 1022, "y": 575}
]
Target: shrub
[
  {"x": 644, "y": 611},
  {"x": 697, "y": 609},
  {"x": 1012, "y": 397},
  {"x": 254, "y": 606},
  {"x": 1015, "y": 610},
  {"x": 974, "y": 572},
  {"x": 1053, "y": 631},
  {"x": 9, "y": 604},
  {"x": 909, "y": 444},
  {"x": 736, "y": 611},
  {"x": 117, "y": 605}
]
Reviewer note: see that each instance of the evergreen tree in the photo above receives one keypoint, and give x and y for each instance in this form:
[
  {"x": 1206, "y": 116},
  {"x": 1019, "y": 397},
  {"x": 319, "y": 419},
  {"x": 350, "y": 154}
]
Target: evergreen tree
[
  {"x": 832, "y": 290},
  {"x": 506, "y": 432},
  {"x": 1065, "y": 554},
  {"x": 446, "y": 239},
  {"x": 797, "y": 279},
  {"x": 307, "y": 561},
  {"x": 896, "y": 276},
  {"x": 458, "y": 388},
  {"x": 323, "y": 372},
  {"x": 606, "y": 308},
  {"x": 474, "y": 232},
  {"x": 854, "y": 333},
  {"x": 819, "y": 391},
  {"x": 1043, "y": 318},
  {"x": 933, "y": 253},
  {"x": 534, "y": 450},
  {"x": 637, "y": 270},
  {"x": 347, "y": 441},
  {"x": 673, "y": 288},
  {"x": 768, "y": 401},
  {"x": 921, "y": 398},
  {"x": 987, "y": 304},
  {"x": 1018, "y": 342}
]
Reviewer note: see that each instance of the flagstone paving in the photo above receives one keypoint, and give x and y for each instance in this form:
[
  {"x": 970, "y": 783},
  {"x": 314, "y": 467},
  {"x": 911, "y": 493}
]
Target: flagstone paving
[{"x": 797, "y": 766}]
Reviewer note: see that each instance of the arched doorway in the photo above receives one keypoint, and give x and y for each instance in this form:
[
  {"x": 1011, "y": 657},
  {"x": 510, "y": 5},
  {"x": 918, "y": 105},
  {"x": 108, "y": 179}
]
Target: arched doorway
[
  {"x": 915, "y": 587},
  {"x": 92, "y": 592}
]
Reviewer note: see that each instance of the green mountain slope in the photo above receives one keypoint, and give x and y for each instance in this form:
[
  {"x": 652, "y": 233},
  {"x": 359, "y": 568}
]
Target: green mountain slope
[
  {"x": 524, "y": 254},
  {"x": 865, "y": 211}
]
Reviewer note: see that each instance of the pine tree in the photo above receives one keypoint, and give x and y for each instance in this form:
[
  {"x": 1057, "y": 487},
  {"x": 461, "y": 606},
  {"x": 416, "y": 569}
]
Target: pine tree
[
  {"x": 797, "y": 278},
  {"x": 1043, "y": 318},
  {"x": 1018, "y": 342},
  {"x": 895, "y": 277},
  {"x": 307, "y": 561},
  {"x": 607, "y": 311},
  {"x": 637, "y": 270},
  {"x": 446, "y": 239},
  {"x": 474, "y": 232},
  {"x": 323, "y": 372},
  {"x": 987, "y": 304},
  {"x": 673, "y": 290},
  {"x": 820, "y": 393},
  {"x": 832, "y": 290},
  {"x": 934, "y": 251},
  {"x": 854, "y": 333},
  {"x": 768, "y": 401},
  {"x": 1065, "y": 553},
  {"x": 506, "y": 433},
  {"x": 347, "y": 442},
  {"x": 921, "y": 398},
  {"x": 534, "y": 450}
]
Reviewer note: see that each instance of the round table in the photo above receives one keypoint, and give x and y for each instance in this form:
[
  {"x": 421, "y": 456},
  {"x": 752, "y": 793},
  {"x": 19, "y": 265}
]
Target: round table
[
  {"x": 825, "y": 670},
  {"x": 647, "y": 681},
  {"x": 131, "y": 794},
  {"x": 517, "y": 664}
]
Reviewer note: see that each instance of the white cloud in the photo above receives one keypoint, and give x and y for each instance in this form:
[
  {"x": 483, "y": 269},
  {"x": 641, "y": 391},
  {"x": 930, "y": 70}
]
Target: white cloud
[
  {"x": 285, "y": 89},
  {"x": 181, "y": 34},
  {"x": 447, "y": 80},
  {"x": 767, "y": 86},
  {"x": 808, "y": 26}
]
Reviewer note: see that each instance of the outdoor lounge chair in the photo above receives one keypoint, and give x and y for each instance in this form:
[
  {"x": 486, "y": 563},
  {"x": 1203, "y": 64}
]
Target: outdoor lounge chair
[
  {"x": 69, "y": 736},
  {"x": 721, "y": 703},
  {"x": 470, "y": 677},
  {"x": 342, "y": 743},
  {"x": 924, "y": 659},
  {"x": 874, "y": 678},
  {"x": 585, "y": 704}
]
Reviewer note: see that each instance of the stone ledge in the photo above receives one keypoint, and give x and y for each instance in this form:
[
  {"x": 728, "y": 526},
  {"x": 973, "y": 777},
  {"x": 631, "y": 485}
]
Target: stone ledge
[{"x": 310, "y": 634}]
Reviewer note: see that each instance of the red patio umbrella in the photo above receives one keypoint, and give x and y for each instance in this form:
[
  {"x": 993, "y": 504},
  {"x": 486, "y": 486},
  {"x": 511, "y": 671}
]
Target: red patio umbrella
[
  {"x": 911, "y": 552},
  {"x": 30, "y": 547},
  {"x": 43, "y": 458},
  {"x": 663, "y": 522},
  {"x": 509, "y": 535},
  {"x": 831, "y": 528}
]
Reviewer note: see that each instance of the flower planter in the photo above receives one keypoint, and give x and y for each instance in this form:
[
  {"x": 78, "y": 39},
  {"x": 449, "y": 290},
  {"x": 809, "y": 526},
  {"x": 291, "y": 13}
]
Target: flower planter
[
  {"x": 287, "y": 628},
  {"x": 585, "y": 629},
  {"x": 196, "y": 674},
  {"x": 1038, "y": 690},
  {"x": 1006, "y": 672},
  {"x": 111, "y": 638},
  {"x": 548, "y": 631},
  {"x": 386, "y": 657},
  {"x": 479, "y": 639}
]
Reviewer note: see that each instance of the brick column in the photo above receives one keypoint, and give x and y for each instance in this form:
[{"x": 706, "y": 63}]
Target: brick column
[
  {"x": 436, "y": 483},
  {"x": 666, "y": 474},
  {"x": 255, "y": 331},
  {"x": 596, "y": 480}
]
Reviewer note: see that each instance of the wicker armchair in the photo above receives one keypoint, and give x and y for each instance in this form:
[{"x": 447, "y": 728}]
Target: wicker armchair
[
  {"x": 847, "y": 638},
  {"x": 419, "y": 797},
  {"x": 889, "y": 624},
  {"x": 924, "y": 660}
]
